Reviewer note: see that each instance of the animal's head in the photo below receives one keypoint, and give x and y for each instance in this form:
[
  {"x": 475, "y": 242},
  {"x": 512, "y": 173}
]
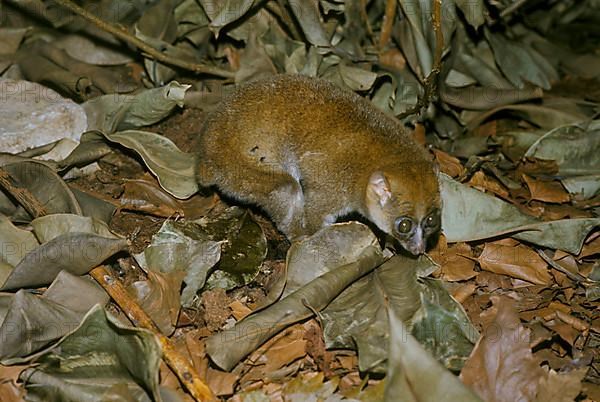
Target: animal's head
[{"x": 404, "y": 201}]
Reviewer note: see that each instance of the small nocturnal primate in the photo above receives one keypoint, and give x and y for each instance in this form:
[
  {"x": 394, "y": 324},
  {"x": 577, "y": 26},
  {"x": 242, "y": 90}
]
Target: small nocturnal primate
[{"x": 308, "y": 152}]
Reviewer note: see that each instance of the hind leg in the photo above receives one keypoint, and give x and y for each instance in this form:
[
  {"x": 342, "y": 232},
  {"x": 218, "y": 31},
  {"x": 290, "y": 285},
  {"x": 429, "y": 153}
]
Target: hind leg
[{"x": 269, "y": 187}]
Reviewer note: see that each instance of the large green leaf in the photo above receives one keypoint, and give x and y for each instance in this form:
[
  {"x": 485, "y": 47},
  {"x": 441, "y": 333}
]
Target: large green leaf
[
  {"x": 15, "y": 243},
  {"x": 583, "y": 187},
  {"x": 74, "y": 252},
  {"x": 227, "y": 12},
  {"x": 520, "y": 62},
  {"x": 44, "y": 184},
  {"x": 469, "y": 214},
  {"x": 182, "y": 248},
  {"x": 324, "y": 251},
  {"x": 49, "y": 227},
  {"x": 173, "y": 168},
  {"x": 100, "y": 360},
  {"x": 309, "y": 18},
  {"x": 110, "y": 113},
  {"x": 573, "y": 147},
  {"x": 358, "y": 317},
  {"x": 244, "y": 248},
  {"x": 32, "y": 322},
  {"x": 413, "y": 375}
]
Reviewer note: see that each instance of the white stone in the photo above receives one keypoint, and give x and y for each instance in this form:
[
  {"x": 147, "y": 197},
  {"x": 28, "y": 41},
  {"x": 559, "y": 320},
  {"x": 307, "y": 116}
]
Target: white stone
[{"x": 32, "y": 115}]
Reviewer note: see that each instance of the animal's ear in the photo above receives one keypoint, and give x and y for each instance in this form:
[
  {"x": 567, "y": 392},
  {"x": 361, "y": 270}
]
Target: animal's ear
[{"x": 379, "y": 186}]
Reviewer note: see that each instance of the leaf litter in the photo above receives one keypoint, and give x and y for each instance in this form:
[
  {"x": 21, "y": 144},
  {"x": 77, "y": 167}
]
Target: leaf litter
[{"x": 508, "y": 296}]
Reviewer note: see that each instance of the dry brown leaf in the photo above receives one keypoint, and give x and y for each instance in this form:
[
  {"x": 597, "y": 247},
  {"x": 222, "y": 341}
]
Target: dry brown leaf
[
  {"x": 279, "y": 351},
  {"x": 553, "y": 212},
  {"x": 9, "y": 391},
  {"x": 534, "y": 166},
  {"x": 285, "y": 352},
  {"x": 564, "y": 330},
  {"x": 483, "y": 182},
  {"x": 539, "y": 334},
  {"x": 550, "y": 358},
  {"x": 220, "y": 382},
  {"x": 233, "y": 57},
  {"x": 159, "y": 297},
  {"x": 590, "y": 248},
  {"x": 491, "y": 281},
  {"x": 458, "y": 266},
  {"x": 463, "y": 292},
  {"x": 563, "y": 387},
  {"x": 448, "y": 163},
  {"x": 145, "y": 196},
  {"x": 548, "y": 312},
  {"x": 349, "y": 362},
  {"x": 488, "y": 129},
  {"x": 199, "y": 206},
  {"x": 315, "y": 347},
  {"x": 272, "y": 388},
  {"x": 509, "y": 242},
  {"x": 592, "y": 391},
  {"x": 392, "y": 59},
  {"x": 547, "y": 191},
  {"x": 501, "y": 367},
  {"x": 439, "y": 251},
  {"x": 196, "y": 351},
  {"x": 239, "y": 310},
  {"x": 578, "y": 324},
  {"x": 518, "y": 262},
  {"x": 168, "y": 379},
  {"x": 566, "y": 261},
  {"x": 350, "y": 381}
]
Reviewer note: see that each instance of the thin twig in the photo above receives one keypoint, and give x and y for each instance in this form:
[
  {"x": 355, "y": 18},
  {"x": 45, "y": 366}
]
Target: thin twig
[
  {"x": 388, "y": 23},
  {"x": 512, "y": 8},
  {"x": 430, "y": 82},
  {"x": 31, "y": 204},
  {"x": 122, "y": 34},
  {"x": 575, "y": 277},
  {"x": 180, "y": 365},
  {"x": 365, "y": 17}
]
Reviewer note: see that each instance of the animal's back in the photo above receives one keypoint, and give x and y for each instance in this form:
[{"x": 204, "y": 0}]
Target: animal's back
[{"x": 297, "y": 122}]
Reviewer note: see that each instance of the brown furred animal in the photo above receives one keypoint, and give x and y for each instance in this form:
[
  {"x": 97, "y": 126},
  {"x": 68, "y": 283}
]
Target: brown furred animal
[{"x": 308, "y": 152}]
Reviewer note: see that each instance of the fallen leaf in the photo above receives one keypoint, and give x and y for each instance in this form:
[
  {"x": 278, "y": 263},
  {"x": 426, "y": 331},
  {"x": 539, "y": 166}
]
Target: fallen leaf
[
  {"x": 239, "y": 310},
  {"x": 414, "y": 375},
  {"x": 276, "y": 353},
  {"x": 458, "y": 266},
  {"x": 100, "y": 348},
  {"x": 159, "y": 297},
  {"x": 501, "y": 367},
  {"x": 144, "y": 196},
  {"x": 448, "y": 163},
  {"x": 485, "y": 183},
  {"x": 393, "y": 59},
  {"x": 517, "y": 262},
  {"x": 547, "y": 191},
  {"x": 561, "y": 387},
  {"x": 220, "y": 382}
]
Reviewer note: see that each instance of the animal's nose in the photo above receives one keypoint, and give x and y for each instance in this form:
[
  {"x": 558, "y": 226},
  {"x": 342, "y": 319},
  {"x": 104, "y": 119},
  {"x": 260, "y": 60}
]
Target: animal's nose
[{"x": 417, "y": 243}]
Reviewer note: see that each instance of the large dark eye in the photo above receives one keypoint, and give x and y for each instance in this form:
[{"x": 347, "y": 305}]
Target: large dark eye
[
  {"x": 404, "y": 225},
  {"x": 432, "y": 221}
]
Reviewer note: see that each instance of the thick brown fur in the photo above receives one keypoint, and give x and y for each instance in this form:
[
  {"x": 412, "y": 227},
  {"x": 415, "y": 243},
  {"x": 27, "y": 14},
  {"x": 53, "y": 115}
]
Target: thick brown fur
[{"x": 306, "y": 152}]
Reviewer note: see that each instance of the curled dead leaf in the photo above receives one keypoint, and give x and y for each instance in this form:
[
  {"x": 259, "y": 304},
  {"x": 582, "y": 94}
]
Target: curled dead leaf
[{"x": 517, "y": 262}]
